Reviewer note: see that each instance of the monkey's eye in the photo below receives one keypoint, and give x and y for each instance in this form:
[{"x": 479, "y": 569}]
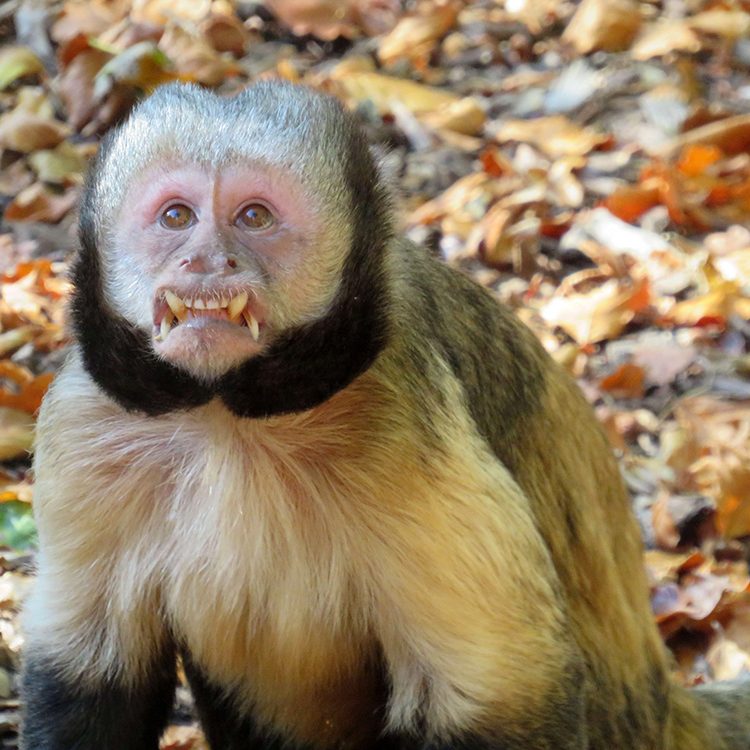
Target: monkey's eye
[
  {"x": 255, "y": 216},
  {"x": 177, "y": 217}
]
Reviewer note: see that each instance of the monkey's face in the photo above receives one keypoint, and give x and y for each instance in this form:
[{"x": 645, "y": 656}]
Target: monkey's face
[{"x": 214, "y": 263}]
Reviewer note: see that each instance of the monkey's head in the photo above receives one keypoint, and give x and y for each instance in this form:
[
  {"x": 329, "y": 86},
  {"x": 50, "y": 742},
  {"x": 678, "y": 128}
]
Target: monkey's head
[{"x": 232, "y": 248}]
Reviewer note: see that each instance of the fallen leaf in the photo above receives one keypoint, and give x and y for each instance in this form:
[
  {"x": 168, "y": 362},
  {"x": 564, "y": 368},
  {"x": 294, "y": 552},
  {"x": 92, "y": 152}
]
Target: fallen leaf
[
  {"x": 39, "y": 203},
  {"x": 609, "y": 25},
  {"x": 728, "y": 24},
  {"x": 144, "y": 66},
  {"x": 27, "y": 390},
  {"x": 62, "y": 166},
  {"x": 15, "y": 338},
  {"x": 17, "y": 62},
  {"x": 383, "y": 90},
  {"x": 463, "y": 116},
  {"x": 416, "y": 35},
  {"x": 161, "y": 12},
  {"x": 324, "y": 19},
  {"x": 183, "y": 738},
  {"x": 193, "y": 57},
  {"x": 627, "y": 381},
  {"x": 25, "y": 132},
  {"x": 664, "y": 37},
  {"x": 731, "y": 135},
  {"x": 663, "y": 359},
  {"x": 16, "y": 433},
  {"x": 713, "y": 307},
  {"x": 76, "y": 85},
  {"x": 89, "y": 19},
  {"x": 599, "y": 314},
  {"x": 225, "y": 34},
  {"x": 556, "y": 135}
]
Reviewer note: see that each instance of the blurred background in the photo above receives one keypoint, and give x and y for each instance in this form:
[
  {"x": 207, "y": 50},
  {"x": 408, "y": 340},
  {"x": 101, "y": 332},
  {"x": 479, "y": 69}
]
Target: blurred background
[{"x": 589, "y": 162}]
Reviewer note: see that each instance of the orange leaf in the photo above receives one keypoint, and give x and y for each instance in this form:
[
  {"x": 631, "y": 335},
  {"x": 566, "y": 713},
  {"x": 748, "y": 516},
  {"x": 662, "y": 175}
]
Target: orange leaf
[
  {"x": 625, "y": 382},
  {"x": 696, "y": 158},
  {"x": 629, "y": 202},
  {"x": 31, "y": 389}
]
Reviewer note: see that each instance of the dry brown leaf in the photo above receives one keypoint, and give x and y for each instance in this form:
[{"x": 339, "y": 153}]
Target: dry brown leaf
[
  {"x": 27, "y": 389},
  {"x": 183, "y": 738},
  {"x": 599, "y": 314},
  {"x": 194, "y": 58},
  {"x": 225, "y": 34},
  {"x": 609, "y": 25},
  {"x": 463, "y": 116},
  {"x": 324, "y": 19},
  {"x": 416, "y": 35},
  {"x": 76, "y": 85},
  {"x": 383, "y": 90},
  {"x": 713, "y": 307},
  {"x": 15, "y": 338},
  {"x": 717, "y": 455},
  {"x": 556, "y": 135},
  {"x": 143, "y": 66},
  {"x": 64, "y": 165},
  {"x": 627, "y": 381},
  {"x": 663, "y": 37},
  {"x": 89, "y": 18},
  {"x": 727, "y": 660},
  {"x": 17, "y": 62},
  {"x": 26, "y": 132},
  {"x": 15, "y": 178},
  {"x": 161, "y": 12},
  {"x": 666, "y": 533},
  {"x": 731, "y": 135},
  {"x": 16, "y": 433},
  {"x": 725, "y": 23},
  {"x": 465, "y": 191},
  {"x": 38, "y": 203},
  {"x": 629, "y": 202}
]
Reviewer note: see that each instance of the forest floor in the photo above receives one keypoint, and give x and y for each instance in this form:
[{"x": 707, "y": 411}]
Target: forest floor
[{"x": 589, "y": 162}]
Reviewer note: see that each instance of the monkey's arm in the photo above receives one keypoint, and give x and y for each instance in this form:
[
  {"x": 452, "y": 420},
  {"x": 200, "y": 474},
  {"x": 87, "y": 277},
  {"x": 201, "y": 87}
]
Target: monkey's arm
[{"x": 99, "y": 665}]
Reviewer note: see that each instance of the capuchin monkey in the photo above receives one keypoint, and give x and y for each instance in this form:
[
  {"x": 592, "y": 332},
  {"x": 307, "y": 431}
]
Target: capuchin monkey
[{"x": 333, "y": 475}]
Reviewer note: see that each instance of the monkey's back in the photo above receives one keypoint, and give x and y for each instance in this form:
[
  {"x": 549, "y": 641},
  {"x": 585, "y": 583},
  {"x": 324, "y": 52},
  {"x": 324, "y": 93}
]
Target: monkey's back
[{"x": 539, "y": 426}]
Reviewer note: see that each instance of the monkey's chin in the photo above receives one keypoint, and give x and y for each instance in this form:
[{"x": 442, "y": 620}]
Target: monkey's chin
[{"x": 207, "y": 349}]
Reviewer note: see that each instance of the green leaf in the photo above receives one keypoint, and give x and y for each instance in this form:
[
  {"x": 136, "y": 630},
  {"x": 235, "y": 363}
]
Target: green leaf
[{"x": 17, "y": 527}]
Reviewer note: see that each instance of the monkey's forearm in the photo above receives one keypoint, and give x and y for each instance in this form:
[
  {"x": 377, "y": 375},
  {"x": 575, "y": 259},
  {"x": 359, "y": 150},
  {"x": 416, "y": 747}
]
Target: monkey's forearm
[{"x": 62, "y": 715}]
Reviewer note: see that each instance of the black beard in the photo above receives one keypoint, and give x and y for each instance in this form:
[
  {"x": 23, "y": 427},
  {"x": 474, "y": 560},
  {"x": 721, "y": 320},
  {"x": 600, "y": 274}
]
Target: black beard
[{"x": 302, "y": 368}]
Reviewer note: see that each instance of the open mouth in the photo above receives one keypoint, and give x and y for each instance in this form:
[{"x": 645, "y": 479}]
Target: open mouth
[{"x": 172, "y": 310}]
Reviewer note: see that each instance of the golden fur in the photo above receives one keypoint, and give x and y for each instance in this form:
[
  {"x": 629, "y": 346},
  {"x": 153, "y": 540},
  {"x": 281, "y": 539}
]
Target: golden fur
[{"x": 298, "y": 542}]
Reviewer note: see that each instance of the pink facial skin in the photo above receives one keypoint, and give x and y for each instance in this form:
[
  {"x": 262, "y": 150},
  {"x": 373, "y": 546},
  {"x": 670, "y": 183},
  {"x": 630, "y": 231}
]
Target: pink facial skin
[{"x": 215, "y": 257}]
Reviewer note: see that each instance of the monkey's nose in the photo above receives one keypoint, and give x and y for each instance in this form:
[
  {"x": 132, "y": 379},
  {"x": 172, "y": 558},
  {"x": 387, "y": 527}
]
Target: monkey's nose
[{"x": 206, "y": 264}]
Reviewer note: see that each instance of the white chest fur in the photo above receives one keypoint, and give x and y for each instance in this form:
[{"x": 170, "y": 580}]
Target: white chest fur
[{"x": 284, "y": 552}]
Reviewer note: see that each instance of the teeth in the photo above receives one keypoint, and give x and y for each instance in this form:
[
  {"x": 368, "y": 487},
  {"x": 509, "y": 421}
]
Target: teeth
[
  {"x": 166, "y": 327},
  {"x": 176, "y": 305},
  {"x": 188, "y": 301},
  {"x": 212, "y": 304},
  {"x": 252, "y": 324},
  {"x": 237, "y": 305},
  {"x": 199, "y": 304},
  {"x": 224, "y": 301}
]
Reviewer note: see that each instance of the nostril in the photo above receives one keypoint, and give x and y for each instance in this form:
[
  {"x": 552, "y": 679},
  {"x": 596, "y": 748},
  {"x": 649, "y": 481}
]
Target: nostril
[
  {"x": 231, "y": 262},
  {"x": 185, "y": 262}
]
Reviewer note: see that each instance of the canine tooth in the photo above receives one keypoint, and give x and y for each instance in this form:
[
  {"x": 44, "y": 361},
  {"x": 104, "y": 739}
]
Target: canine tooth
[
  {"x": 166, "y": 327},
  {"x": 176, "y": 305},
  {"x": 237, "y": 305},
  {"x": 199, "y": 304},
  {"x": 252, "y": 324},
  {"x": 212, "y": 304}
]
